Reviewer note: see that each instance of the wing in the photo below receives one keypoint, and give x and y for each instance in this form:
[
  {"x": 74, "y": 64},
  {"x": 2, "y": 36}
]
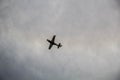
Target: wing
[
  {"x": 53, "y": 39},
  {"x": 50, "y": 46}
]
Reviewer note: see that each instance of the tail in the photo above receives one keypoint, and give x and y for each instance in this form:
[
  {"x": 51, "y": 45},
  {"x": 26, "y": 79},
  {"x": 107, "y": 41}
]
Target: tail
[{"x": 59, "y": 45}]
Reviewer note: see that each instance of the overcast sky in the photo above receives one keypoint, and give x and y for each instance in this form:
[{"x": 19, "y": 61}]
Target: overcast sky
[{"x": 89, "y": 31}]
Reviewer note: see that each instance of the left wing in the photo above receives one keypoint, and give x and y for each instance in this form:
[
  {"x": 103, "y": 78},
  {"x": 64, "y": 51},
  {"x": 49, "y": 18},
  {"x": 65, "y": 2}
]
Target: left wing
[{"x": 50, "y": 46}]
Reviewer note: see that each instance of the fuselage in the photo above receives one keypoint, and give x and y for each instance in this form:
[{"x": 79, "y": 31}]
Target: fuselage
[{"x": 51, "y": 42}]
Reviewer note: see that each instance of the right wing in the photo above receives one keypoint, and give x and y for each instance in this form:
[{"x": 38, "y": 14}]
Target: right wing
[
  {"x": 53, "y": 39},
  {"x": 50, "y": 46}
]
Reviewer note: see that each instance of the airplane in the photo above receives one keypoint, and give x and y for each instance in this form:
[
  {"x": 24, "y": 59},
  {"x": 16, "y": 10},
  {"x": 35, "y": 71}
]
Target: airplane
[{"x": 52, "y": 42}]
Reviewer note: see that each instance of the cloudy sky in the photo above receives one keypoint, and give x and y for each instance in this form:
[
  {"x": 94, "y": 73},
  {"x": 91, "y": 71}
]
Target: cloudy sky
[{"x": 89, "y": 31}]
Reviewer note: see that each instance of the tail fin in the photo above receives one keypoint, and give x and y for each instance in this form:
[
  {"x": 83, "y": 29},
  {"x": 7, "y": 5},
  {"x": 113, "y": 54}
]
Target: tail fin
[{"x": 59, "y": 45}]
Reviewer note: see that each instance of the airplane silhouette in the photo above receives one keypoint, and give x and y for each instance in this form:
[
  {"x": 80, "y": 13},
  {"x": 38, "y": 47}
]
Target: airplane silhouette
[{"x": 52, "y": 42}]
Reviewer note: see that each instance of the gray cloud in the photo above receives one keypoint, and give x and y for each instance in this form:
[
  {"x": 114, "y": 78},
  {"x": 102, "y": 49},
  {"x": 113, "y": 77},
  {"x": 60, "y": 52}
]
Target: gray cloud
[{"x": 88, "y": 30}]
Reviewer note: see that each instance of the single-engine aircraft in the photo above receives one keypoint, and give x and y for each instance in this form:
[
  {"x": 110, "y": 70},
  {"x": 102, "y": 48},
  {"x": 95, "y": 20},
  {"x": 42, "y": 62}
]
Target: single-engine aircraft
[{"x": 52, "y": 42}]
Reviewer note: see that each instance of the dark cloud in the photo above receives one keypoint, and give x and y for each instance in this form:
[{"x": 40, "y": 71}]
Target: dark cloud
[{"x": 118, "y": 2}]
